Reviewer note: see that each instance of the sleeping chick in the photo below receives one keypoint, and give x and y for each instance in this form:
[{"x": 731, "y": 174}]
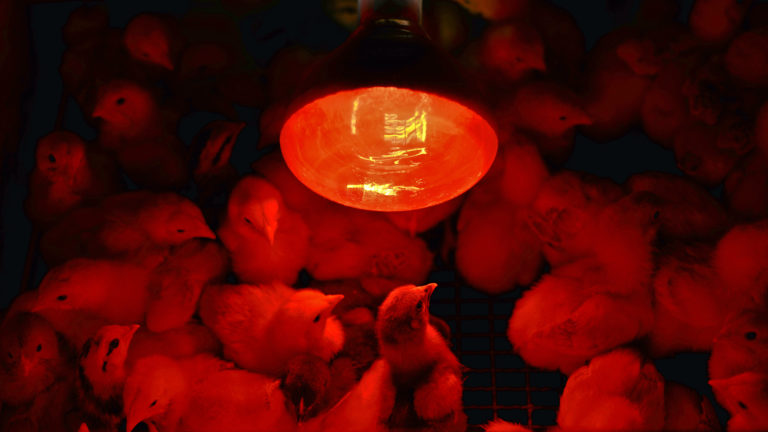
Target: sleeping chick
[
  {"x": 545, "y": 108},
  {"x": 715, "y": 21},
  {"x": 32, "y": 358},
  {"x": 617, "y": 391},
  {"x": 420, "y": 360},
  {"x": 262, "y": 327},
  {"x": 266, "y": 240}
]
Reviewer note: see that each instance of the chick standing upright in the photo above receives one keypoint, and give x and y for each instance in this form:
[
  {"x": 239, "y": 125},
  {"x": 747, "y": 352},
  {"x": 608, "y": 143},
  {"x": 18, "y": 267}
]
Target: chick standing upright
[
  {"x": 421, "y": 362},
  {"x": 263, "y": 327},
  {"x": 266, "y": 240}
]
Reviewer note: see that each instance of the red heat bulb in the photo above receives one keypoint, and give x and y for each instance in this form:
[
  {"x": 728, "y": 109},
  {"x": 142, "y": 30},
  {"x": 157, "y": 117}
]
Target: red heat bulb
[{"x": 387, "y": 148}]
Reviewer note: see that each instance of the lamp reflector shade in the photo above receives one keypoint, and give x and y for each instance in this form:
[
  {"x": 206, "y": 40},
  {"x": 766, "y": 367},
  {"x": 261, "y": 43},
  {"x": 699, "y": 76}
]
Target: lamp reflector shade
[{"x": 387, "y": 148}]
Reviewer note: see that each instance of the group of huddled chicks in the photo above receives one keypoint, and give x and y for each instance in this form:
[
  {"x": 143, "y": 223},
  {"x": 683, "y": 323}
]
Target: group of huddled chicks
[{"x": 264, "y": 307}]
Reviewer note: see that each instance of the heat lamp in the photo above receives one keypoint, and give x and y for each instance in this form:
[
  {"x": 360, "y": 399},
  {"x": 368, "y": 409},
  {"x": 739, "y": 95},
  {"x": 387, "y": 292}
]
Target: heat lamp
[{"x": 388, "y": 122}]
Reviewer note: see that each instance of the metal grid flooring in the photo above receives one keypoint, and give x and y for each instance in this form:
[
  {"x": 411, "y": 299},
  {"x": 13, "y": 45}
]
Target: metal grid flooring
[{"x": 498, "y": 384}]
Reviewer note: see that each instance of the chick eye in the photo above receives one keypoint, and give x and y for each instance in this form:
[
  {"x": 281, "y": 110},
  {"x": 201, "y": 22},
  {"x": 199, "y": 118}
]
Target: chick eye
[
  {"x": 154, "y": 402},
  {"x": 51, "y": 158},
  {"x": 563, "y": 118},
  {"x": 750, "y": 335},
  {"x": 114, "y": 343},
  {"x": 180, "y": 230},
  {"x": 61, "y": 298},
  {"x": 518, "y": 59},
  {"x": 10, "y": 355},
  {"x": 39, "y": 348},
  {"x": 120, "y": 101},
  {"x": 420, "y": 305},
  {"x": 248, "y": 221},
  {"x": 317, "y": 318}
]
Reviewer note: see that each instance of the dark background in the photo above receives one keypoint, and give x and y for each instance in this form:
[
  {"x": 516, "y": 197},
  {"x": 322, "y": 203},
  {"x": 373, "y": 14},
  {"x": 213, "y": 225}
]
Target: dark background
[{"x": 303, "y": 22}]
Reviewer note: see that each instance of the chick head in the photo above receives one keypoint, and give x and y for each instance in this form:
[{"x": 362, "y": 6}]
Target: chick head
[
  {"x": 219, "y": 142},
  {"x": 102, "y": 358},
  {"x": 743, "y": 394},
  {"x": 76, "y": 284},
  {"x": 741, "y": 346},
  {"x": 256, "y": 206},
  {"x": 154, "y": 382},
  {"x": 304, "y": 316},
  {"x": 172, "y": 220},
  {"x": 404, "y": 314},
  {"x": 514, "y": 49},
  {"x": 59, "y": 155},
  {"x": 305, "y": 384},
  {"x": 124, "y": 105},
  {"x": 29, "y": 347},
  {"x": 147, "y": 39}
]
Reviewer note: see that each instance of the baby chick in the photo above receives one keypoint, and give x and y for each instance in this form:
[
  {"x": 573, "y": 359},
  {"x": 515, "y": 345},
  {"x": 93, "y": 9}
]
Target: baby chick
[
  {"x": 497, "y": 250},
  {"x": 115, "y": 291},
  {"x": 698, "y": 155},
  {"x": 67, "y": 175},
  {"x": 690, "y": 302},
  {"x": 366, "y": 407},
  {"x": 176, "y": 284},
  {"x": 747, "y": 180},
  {"x": 617, "y": 391},
  {"x": 102, "y": 372},
  {"x": 686, "y": 210},
  {"x": 745, "y": 396},
  {"x": 141, "y": 134},
  {"x": 740, "y": 346},
  {"x": 715, "y": 21},
  {"x": 503, "y": 426},
  {"x": 253, "y": 322},
  {"x": 347, "y": 243},
  {"x": 512, "y": 50},
  {"x": 746, "y": 60},
  {"x": 124, "y": 226},
  {"x": 150, "y": 39},
  {"x": 266, "y": 240},
  {"x": 202, "y": 393},
  {"x": 32, "y": 358},
  {"x": 687, "y": 410},
  {"x": 565, "y": 320},
  {"x": 741, "y": 259},
  {"x": 419, "y": 357},
  {"x": 545, "y": 108},
  {"x": 213, "y": 173},
  {"x": 108, "y": 357}
]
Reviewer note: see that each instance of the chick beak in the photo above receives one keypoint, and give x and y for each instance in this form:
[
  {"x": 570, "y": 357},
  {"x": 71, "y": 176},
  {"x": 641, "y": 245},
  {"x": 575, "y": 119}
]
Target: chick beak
[
  {"x": 539, "y": 64},
  {"x": 269, "y": 231},
  {"x": 581, "y": 118},
  {"x": 428, "y": 290},
  {"x": 25, "y": 365},
  {"x": 333, "y": 300},
  {"x": 131, "y": 331},
  {"x": 165, "y": 62},
  {"x": 132, "y": 422},
  {"x": 205, "y": 232}
]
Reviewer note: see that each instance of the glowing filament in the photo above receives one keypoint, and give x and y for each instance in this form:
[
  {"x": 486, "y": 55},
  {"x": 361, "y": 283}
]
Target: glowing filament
[{"x": 383, "y": 189}]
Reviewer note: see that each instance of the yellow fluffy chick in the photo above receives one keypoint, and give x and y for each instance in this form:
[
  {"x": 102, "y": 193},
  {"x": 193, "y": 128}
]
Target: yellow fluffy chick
[
  {"x": 262, "y": 327},
  {"x": 617, "y": 391}
]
